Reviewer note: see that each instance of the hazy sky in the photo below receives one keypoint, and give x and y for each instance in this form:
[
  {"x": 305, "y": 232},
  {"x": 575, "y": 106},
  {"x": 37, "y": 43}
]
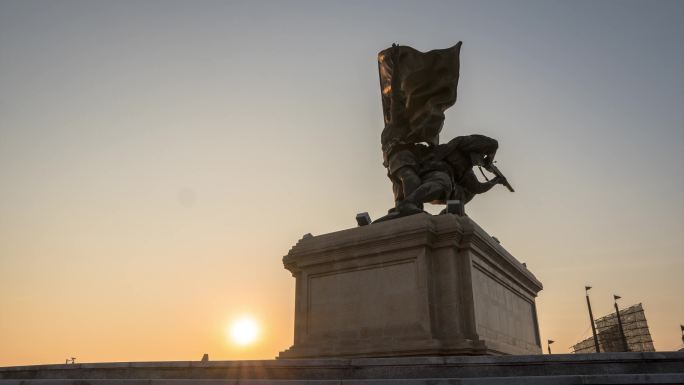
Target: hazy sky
[{"x": 158, "y": 158}]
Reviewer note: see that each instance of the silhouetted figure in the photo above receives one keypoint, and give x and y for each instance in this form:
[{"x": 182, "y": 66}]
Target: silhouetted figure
[{"x": 416, "y": 89}]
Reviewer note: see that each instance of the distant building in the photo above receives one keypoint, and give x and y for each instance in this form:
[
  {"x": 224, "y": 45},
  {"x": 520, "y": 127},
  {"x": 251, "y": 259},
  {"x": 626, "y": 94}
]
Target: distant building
[{"x": 636, "y": 332}]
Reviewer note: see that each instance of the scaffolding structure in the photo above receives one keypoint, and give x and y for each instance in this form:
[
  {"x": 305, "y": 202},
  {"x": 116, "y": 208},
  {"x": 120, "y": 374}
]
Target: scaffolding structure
[{"x": 636, "y": 333}]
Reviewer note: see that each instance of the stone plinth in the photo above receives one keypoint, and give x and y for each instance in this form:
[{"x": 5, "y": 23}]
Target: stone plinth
[{"x": 419, "y": 285}]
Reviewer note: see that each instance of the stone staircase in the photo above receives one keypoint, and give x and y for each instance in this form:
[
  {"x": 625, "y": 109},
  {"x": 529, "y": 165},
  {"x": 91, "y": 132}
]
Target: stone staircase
[{"x": 558, "y": 369}]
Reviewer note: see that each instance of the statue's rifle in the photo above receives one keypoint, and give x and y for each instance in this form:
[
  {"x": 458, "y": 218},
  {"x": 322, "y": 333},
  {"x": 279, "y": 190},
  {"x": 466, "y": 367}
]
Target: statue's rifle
[{"x": 479, "y": 161}]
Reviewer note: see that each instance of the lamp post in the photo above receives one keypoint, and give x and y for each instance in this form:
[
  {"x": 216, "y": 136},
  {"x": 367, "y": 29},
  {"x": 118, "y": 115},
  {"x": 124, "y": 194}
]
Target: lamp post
[
  {"x": 622, "y": 331},
  {"x": 682, "y": 327},
  {"x": 548, "y": 345},
  {"x": 591, "y": 320}
]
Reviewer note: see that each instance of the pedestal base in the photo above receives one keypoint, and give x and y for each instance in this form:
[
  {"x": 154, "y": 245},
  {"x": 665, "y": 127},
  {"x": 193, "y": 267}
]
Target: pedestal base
[{"x": 420, "y": 285}]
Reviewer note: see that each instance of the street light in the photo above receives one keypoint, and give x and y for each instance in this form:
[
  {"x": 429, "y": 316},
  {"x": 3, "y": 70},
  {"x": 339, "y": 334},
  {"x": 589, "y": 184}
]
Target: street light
[
  {"x": 591, "y": 320},
  {"x": 622, "y": 331},
  {"x": 548, "y": 345}
]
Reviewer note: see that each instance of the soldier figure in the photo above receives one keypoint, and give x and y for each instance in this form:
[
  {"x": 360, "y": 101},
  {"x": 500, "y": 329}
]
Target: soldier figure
[{"x": 416, "y": 89}]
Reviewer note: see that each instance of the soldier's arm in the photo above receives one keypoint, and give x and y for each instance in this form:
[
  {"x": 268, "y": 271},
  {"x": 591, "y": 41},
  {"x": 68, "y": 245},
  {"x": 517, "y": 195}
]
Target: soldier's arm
[{"x": 470, "y": 182}]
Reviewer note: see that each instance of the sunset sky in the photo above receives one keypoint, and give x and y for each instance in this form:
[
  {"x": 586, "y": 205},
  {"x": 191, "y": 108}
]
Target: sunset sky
[{"x": 158, "y": 158}]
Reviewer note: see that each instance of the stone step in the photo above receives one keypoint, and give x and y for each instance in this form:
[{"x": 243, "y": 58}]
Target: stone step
[
  {"x": 604, "y": 368},
  {"x": 613, "y": 379}
]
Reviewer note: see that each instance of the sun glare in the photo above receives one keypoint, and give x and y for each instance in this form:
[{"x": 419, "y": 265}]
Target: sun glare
[{"x": 244, "y": 331}]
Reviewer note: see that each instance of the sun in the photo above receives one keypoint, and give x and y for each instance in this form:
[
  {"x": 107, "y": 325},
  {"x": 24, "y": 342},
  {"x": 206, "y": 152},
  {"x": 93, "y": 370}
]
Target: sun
[{"x": 244, "y": 331}]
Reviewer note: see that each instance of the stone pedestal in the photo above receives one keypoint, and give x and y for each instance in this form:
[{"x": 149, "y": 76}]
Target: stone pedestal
[{"x": 419, "y": 285}]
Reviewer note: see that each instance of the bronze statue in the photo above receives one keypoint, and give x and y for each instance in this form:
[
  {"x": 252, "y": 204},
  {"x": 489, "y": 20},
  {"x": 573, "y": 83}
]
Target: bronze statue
[{"x": 416, "y": 89}]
